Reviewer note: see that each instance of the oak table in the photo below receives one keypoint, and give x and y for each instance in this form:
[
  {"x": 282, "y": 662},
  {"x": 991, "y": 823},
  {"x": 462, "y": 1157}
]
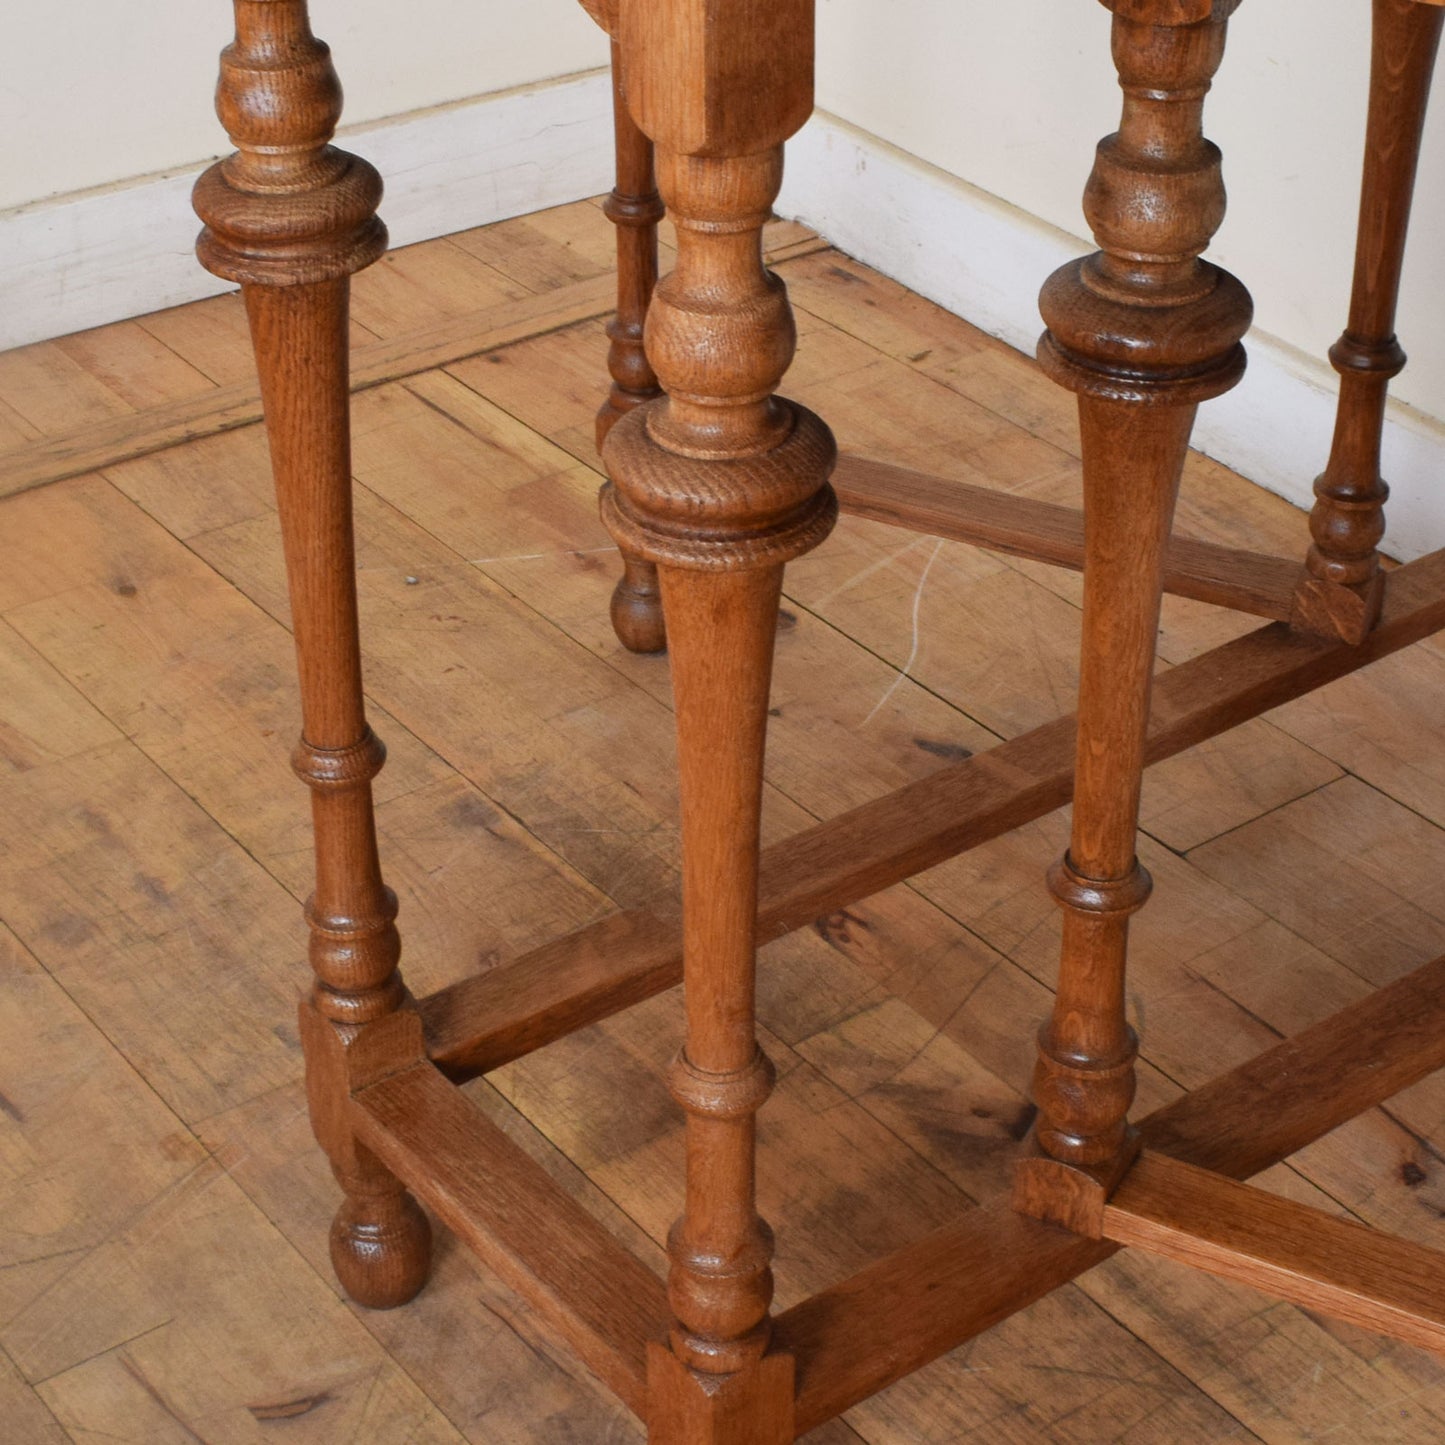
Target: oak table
[{"x": 716, "y": 483}]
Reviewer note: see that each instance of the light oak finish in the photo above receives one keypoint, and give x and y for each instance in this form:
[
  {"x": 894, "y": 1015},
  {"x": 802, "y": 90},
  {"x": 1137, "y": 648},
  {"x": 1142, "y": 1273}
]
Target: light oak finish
[
  {"x": 603, "y": 1302},
  {"x": 866, "y": 1332},
  {"x": 719, "y": 483},
  {"x": 1313, "y": 1259},
  {"x": 483, "y": 1022},
  {"x": 1143, "y": 331},
  {"x": 1202, "y": 1361},
  {"x": 635, "y": 208},
  {"x": 1340, "y": 590},
  {"x": 290, "y": 218}
]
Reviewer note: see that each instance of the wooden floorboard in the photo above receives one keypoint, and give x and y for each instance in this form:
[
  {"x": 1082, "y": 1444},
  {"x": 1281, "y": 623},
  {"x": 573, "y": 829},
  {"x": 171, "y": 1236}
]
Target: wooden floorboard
[
  {"x": 992, "y": 1262},
  {"x": 208, "y": 411},
  {"x": 162, "y": 1203},
  {"x": 525, "y": 1227},
  {"x": 498, "y": 1016}
]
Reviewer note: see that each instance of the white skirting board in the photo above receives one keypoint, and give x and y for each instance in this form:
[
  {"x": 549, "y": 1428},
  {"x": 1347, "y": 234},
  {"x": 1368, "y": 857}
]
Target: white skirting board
[
  {"x": 104, "y": 255},
  {"x": 85, "y": 260},
  {"x": 985, "y": 260}
]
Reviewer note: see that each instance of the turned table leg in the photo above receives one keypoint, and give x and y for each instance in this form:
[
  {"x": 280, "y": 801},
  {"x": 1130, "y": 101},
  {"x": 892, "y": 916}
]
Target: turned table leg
[
  {"x": 291, "y": 218},
  {"x": 1143, "y": 331},
  {"x": 635, "y": 208},
  {"x": 1341, "y": 591},
  {"x": 719, "y": 482}
]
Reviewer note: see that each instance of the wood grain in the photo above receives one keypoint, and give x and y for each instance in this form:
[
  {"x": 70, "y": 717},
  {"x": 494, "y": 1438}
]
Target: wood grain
[
  {"x": 1315, "y": 1260},
  {"x": 290, "y": 217},
  {"x": 103, "y": 443},
  {"x": 993, "y": 1261},
  {"x": 718, "y": 482},
  {"x": 604, "y": 1302},
  {"x": 635, "y": 208},
  {"x": 878, "y": 844},
  {"x": 117, "y": 616},
  {"x": 1339, "y": 593}
]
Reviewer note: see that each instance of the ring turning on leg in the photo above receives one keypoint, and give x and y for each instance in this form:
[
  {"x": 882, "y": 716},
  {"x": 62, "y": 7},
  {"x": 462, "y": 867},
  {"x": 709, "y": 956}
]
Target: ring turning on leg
[
  {"x": 1342, "y": 587},
  {"x": 719, "y": 483},
  {"x": 1143, "y": 331},
  {"x": 290, "y": 218},
  {"x": 635, "y": 208}
]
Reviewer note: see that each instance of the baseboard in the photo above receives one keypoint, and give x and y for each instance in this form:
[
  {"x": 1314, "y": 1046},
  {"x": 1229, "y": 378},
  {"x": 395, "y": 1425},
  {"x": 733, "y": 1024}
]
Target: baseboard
[
  {"x": 85, "y": 260},
  {"x": 984, "y": 260}
]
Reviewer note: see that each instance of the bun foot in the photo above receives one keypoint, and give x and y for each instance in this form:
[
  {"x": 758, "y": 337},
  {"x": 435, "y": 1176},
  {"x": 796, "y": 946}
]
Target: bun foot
[
  {"x": 381, "y": 1249},
  {"x": 637, "y": 607}
]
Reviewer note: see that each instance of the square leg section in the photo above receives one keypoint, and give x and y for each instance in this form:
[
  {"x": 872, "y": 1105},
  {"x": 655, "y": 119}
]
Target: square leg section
[{"x": 751, "y": 1407}]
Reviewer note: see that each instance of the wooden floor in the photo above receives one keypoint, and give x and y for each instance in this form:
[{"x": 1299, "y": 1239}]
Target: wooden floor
[{"x": 162, "y": 1208}]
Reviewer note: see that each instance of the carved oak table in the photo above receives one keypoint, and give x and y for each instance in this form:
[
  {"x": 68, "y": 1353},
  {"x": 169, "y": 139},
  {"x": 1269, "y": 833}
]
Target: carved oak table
[{"x": 716, "y": 483}]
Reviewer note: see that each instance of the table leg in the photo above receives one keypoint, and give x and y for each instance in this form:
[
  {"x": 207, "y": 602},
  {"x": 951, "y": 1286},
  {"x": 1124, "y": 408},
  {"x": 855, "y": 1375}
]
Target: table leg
[
  {"x": 635, "y": 208},
  {"x": 1143, "y": 331},
  {"x": 291, "y": 218},
  {"x": 1341, "y": 591},
  {"x": 719, "y": 482}
]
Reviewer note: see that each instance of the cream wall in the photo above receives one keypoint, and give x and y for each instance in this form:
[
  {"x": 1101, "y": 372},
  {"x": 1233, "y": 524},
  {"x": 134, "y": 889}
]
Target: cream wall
[
  {"x": 124, "y": 89},
  {"x": 1012, "y": 98},
  {"x": 1008, "y": 97},
  {"x": 993, "y": 100}
]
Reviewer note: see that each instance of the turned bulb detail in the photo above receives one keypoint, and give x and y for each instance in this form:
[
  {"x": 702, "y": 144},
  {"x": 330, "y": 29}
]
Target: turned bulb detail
[
  {"x": 1145, "y": 317},
  {"x": 719, "y": 482},
  {"x": 287, "y": 208},
  {"x": 720, "y": 336},
  {"x": 1142, "y": 330}
]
